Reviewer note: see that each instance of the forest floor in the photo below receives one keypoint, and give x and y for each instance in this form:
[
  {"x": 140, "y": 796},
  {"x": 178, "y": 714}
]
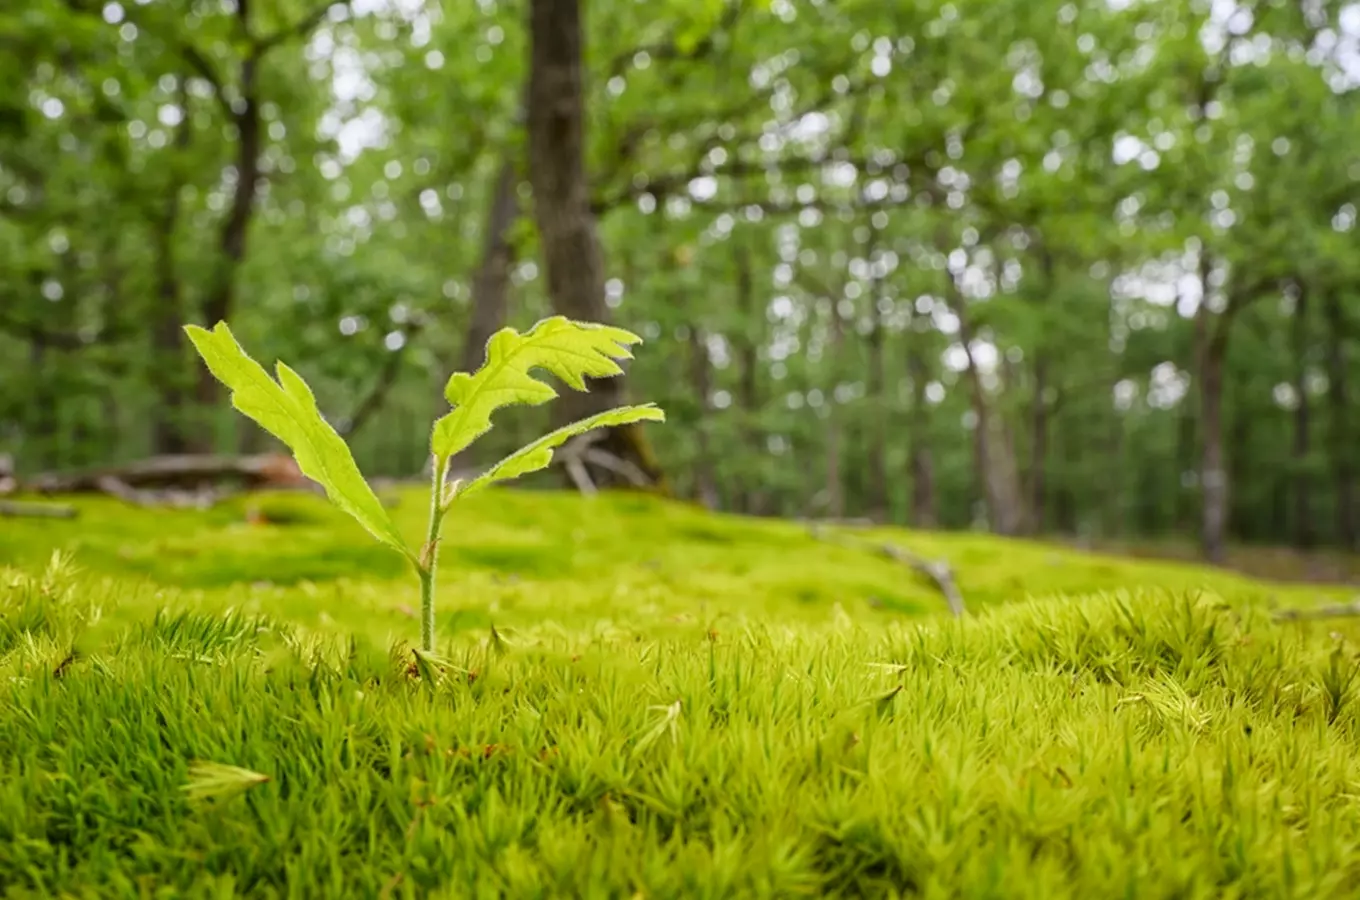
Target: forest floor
[{"x": 671, "y": 703}]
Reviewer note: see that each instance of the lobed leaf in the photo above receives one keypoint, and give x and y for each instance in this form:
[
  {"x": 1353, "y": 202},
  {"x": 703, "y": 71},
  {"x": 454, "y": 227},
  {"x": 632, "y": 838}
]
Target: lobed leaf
[
  {"x": 538, "y": 454},
  {"x": 573, "y": 351},
  {"x": 287, "y": 409}
]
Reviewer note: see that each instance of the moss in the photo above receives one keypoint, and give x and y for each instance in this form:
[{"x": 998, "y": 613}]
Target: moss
[{"x": 521, "y": 556}]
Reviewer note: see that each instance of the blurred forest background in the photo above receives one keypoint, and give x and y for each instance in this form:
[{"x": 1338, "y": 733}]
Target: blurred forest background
[{"x": 1036, "y": 266}]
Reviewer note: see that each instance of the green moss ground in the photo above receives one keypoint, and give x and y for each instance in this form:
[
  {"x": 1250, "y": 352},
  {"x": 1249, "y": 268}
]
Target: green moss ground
[
  {"x": 683, "y": 705},
  {"x": 525, "y": 559}
]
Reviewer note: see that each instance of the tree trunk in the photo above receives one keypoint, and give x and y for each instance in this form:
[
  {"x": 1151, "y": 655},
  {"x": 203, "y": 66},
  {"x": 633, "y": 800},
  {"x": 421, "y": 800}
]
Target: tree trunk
[
  {"x": 878, "y": 505},
  {"x": 752, "y": 329},
  {"x": 41, "y": 430},
  {"x": 171, "y": 362},
  {"x": 700, "y": 368},
  {"x": 1304, "y": 534},
  {"x": 995, "y": 459},
  {"x": 572, "y": 258},
  {"x": 1213, "y": 473},
  {"x": 491, "y": 284},
  {"x": 1343, "y": 447},
  {"x": 835, "y": 488},
  {"x": 922, "y": 465},
  {"x": 232, "y": 241},
  {"x": 1038, "y": 472}
]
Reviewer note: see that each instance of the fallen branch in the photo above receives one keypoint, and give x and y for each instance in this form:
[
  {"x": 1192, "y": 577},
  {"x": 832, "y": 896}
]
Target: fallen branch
[
  {"x": 938, "y": 571},
  {"x": 581, "y": 451},
  {"x": 8, "y": 483},
  {"x": 572, "y": 457},
  {"x": 187, "y": 480},
  {"x": 187, "y": 470},
  {"x": 12, "y": 509},
  {"x": 1331, "y": 611},
  {"x": 201, "y": 497}
]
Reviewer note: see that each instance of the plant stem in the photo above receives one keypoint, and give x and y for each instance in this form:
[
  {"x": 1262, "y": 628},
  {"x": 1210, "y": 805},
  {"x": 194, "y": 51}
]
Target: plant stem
[{"x": 429, "y": 556}]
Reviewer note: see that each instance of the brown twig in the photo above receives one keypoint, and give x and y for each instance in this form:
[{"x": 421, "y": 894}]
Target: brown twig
[
  {"x": 14, "y": 510},
  {"x": 1330, "y": 611},
  {"x": 938, "y": 571}
]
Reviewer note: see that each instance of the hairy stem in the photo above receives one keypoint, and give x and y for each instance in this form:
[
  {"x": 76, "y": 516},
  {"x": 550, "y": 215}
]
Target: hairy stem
[{"x": 429, "y": 556}]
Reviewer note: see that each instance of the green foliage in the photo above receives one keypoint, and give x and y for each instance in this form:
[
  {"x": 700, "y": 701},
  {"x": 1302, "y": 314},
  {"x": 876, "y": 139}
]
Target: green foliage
[
  {"x": 288, "y": 410},
  {"x": 570, "y": 350}
]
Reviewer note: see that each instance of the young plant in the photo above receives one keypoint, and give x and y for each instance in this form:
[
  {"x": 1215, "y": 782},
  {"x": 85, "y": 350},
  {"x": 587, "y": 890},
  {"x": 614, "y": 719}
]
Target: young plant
[{"x": 287, "y": 409}]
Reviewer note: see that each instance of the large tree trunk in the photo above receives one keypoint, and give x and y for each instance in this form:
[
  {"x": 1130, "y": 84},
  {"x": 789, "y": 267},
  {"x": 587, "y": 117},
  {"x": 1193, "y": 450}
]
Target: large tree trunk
[
  {"x": 1343, "y": 447},
  {"x": 572, "y": 258},
  {"x": 1304, "y": 534},
  {"x": 491, "y": 284}
]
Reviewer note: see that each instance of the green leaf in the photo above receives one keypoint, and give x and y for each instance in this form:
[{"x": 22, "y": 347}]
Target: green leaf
[
  {"x": 537, "y": 455},
  {"x": 287, "y": 409},
  {"x": 217, "y": 781},
  {"x": 573, "y": 351}
]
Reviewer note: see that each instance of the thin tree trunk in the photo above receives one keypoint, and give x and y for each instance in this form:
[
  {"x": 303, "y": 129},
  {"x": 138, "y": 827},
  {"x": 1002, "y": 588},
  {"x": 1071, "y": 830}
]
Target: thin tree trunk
[
  {"x": 1038, "y": 463},
  {"x": 922, "y": 464},
  {"x": 171, "y": 367},
  {"x": 1343, "y": 450},
  {"x": 835, "y": 487},
  {"x": 42, "y": 424},
  {"x": 491, "y": 284},
  {"x": 572, "y": 257},
  {"x": 1184, "y": 511},
  {"x": 221, "y": 293},
  {"x": 878, "y": 505},
  {"x": 1038, "y": 471},
  {"x": 1213, "y": 472},
  {"x": 995, "y": 460},
  {"x": 700, "y": 368},
  {"x": 748, "y": 373},
  {"x": 1304, "y": 534}
]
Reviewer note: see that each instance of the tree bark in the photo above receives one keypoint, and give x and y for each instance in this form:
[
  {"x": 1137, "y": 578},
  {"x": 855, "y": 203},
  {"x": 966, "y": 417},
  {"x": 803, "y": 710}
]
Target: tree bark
[
  {"x": 995, "y": 459},
  {"x": 572, "y": 257},
  {"x": 491, "y": 284},
  {"x": 921, "y": 464},
  {"x": 1213, "y": 472},
  {"x": 749, "y": 497},
  {"x": 878, "y": 505},
  {"x": 1304, "y": 533},
  {"x": 221, "y": 293},
  {"x": 700, "y": 368},
  {"x": 168, "y": 425},
  {"x": 1343, "y": 447},
  {"x": 1038, "y": 463},
  {"x": 835, "y": 487}
]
